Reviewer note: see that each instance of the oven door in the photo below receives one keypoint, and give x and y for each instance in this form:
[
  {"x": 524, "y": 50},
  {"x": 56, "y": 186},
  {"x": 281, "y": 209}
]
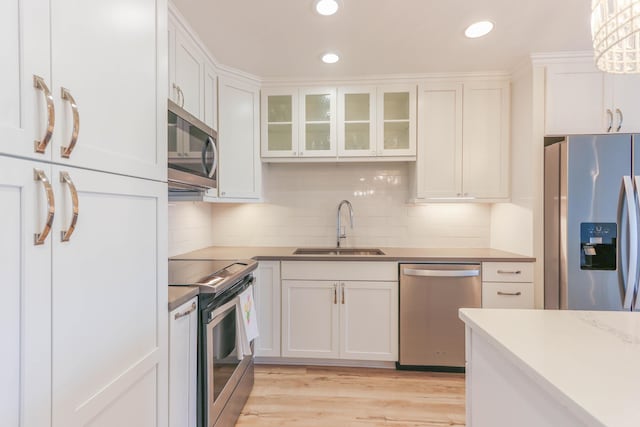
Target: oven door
[{"x": 224, "y": 370}]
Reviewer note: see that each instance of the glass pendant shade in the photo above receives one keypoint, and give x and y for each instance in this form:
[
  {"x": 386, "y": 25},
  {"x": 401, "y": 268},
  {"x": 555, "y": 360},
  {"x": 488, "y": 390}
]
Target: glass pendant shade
[{"x": 615, "y": 30}]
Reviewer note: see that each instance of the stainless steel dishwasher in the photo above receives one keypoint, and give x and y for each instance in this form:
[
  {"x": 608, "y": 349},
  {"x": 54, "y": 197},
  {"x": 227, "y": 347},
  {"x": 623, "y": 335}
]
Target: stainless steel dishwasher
[{"x": 431, "y": 334}]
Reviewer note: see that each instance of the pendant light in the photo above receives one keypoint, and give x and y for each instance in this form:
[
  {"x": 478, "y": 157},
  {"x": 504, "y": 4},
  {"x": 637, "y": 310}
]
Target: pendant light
[{"x": 615, "y": 30}]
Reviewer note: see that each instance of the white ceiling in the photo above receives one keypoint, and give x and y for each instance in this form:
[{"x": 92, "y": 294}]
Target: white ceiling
[{"x": 285, "y": 38}]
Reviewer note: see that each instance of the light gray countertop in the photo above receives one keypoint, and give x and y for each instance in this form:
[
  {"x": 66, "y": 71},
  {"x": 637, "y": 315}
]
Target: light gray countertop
[{"x": 179, "y": 296}]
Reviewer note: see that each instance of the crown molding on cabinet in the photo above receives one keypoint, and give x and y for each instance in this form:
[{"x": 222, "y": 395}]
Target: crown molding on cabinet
[{"x": 539, "y": 58}]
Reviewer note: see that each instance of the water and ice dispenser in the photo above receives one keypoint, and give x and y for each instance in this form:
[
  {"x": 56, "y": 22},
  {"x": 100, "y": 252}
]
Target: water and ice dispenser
[{"x": 598, "y": 245}]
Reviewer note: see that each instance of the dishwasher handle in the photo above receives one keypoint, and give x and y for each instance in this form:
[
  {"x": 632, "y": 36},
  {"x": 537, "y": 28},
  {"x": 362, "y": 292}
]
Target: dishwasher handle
[{"x": 440, "y": 273}]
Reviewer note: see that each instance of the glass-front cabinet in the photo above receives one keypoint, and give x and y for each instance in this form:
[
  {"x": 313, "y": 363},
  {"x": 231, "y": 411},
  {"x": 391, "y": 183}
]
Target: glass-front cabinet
[
  {"x": 356, "y": 122},
  {"x": 397, "y": 120},
  {"x": 318, "y": 122},
  {"x": 279, "y": 122}
]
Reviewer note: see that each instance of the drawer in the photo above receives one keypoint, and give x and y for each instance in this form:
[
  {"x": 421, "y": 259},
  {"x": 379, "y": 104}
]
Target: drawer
[
  {"x": 340, "y": 270},
  {"x": 507, "y": 295},
  {"x": 507, "y": 272}
]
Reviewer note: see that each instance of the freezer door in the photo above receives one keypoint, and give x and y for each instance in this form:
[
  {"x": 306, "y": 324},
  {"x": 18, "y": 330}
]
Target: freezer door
[{"x": 595, "y": 220}]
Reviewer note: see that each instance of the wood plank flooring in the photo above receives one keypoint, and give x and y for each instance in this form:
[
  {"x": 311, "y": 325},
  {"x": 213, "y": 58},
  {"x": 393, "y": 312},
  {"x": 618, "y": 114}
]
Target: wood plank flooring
[{"x": 304, "y": 396}]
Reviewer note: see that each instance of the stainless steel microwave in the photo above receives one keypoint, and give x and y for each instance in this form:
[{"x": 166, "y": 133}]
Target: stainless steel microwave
[{"x": 193, "y": 154}]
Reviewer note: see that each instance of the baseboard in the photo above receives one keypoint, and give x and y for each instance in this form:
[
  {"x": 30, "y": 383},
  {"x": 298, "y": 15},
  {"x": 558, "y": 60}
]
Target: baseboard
[{"x": 325, "y": 362}]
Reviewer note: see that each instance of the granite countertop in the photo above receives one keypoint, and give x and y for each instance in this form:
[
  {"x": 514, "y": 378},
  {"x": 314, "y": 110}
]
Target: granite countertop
[
  {"x": 584, "y": 358},
  {"x": 176, "y": 297},
  {"x": 391, "y": 254}
]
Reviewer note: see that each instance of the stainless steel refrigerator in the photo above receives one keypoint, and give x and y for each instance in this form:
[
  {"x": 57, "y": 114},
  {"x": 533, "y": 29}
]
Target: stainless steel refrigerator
[{"x": 591, "y": 222}]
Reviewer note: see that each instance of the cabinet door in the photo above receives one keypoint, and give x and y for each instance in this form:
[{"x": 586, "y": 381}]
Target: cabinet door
[
  {"x": 485, "y": 132},
  {"x": 210, "y": 96},
  {"x": 310, "y": 319},
  {"x": 110, "y": 302},
  {"x": 396, "y": 120},
  {"x": 356, "y": 122},
  {"x": 25, "y": 271},
  {"x": 24, "y": 31},
  {"x": 267, "y": 294},
  {"x": 318, "y": 116},
  {"x": 575, "y": 101},
  {"x": 183, "y": 345},
  {"x": 439, "y": 162},
  {"x": 623, "y": 89},
  {"x": 106, "y": 54},
  {"x": 189, "y": 74},
  {"x": 369, "y": 320},
  {"x": 239, "y": 171},
  {"x": 279, "y": 122}
]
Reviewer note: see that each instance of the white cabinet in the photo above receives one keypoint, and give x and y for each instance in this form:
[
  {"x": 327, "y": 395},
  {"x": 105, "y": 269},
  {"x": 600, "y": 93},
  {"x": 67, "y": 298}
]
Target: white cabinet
[
  {"x": 267, "y": 297},
  {"x": 507, "y": 285},
  {"x": 464, "y": 141},
  {"x": 96, "y": 103},
  {"x": 110, "y": 268},
  {"x": 192, "y": 76},
  {"x": 396, "y": 120},
  {"x": 183, "y": 346},
  {"x": 580, "y": 99},
  {"x": 240, "y": 170},
  {"x": 340, "y": 310},
  {"x": 343, "y": 124},
  {"x": 357, "y": 122},
  {"x": 317, "y": 122}
]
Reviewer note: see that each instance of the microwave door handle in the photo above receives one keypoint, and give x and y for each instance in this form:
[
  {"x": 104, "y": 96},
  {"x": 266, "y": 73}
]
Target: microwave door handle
[
  {"x": 214, "y": 162},
  {"x": 209, "y": 171}
]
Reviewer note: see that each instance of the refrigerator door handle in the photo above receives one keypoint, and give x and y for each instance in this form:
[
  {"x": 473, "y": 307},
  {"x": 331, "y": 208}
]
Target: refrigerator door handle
[
  {"x": 633, "y": 252},
  {"x": 632, "y": 211}
]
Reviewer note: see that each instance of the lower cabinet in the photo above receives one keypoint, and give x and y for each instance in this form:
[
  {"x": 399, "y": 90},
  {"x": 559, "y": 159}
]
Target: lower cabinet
[
  {"x": 326, "y": 317},
  {"x": 267, "y": 299},
  {"x": 183, "y": 357},
  {"x": 507, "y": 285}
]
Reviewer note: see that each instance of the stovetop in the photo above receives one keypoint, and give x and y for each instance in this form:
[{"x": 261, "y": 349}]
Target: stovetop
[{"x": 211, "y": 276}]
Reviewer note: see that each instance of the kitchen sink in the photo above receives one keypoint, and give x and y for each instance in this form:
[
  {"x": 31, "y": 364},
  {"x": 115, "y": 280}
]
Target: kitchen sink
[{"x": 338, "y": 251}]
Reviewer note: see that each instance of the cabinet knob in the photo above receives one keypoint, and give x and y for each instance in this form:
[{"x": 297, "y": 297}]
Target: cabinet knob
[
  {"x": 223, "y": 193},
  {"x": 295, "y": 153}
]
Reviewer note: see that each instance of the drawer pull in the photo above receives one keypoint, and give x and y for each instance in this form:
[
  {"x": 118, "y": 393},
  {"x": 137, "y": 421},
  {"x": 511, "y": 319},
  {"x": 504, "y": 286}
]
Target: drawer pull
[
  {"x": 510, "y": 294},
  {"x": 186, "y": 313},
  {"x": 509, "y": 272}
]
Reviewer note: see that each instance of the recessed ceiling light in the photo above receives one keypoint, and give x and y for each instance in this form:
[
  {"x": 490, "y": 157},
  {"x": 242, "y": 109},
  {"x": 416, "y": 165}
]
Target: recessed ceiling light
[
  {"x": 326, "y": 7},
  {"x": 478, "y": 29},
  {"x": 330, "y": 58}
]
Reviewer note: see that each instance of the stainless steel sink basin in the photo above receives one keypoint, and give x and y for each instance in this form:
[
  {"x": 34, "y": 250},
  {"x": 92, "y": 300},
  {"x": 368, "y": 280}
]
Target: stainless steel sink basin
[{"x": 338, "y": 251}]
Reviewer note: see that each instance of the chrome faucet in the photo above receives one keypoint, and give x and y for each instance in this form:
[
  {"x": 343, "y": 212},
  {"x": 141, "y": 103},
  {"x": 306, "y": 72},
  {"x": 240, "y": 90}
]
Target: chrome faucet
[{"x": 341, "y": 235}]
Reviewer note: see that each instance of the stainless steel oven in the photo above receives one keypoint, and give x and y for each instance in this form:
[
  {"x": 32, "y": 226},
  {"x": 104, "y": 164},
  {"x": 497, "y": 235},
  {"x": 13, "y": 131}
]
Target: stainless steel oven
[
  {"x": 225, "y": 377},
  {"x": 192, "y": 152}
]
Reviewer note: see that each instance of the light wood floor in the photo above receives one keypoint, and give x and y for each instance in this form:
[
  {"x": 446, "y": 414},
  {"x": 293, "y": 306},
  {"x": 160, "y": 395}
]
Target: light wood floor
[{"x": 304, "y": 396}]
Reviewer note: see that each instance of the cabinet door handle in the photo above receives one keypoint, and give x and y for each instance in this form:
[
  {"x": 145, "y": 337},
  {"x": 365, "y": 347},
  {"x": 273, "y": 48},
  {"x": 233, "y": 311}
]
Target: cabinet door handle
[
  {"x": 66, "y": 151},
  {"x": 187, "y": 312},
  {"x": 509, "y": 272},
  {"x": 39, "y": 238},
  {"x": 621, "y": 118},
  {"x": 38, "y": 83},
  {"x": 335, "y": 293},
  {"x": 66, "y": 234},
  {"x": 181, "y": 93},
  {"x": 342, "y": 284},
  {"x": 511, "y": 294},
  {"x": 610, "y": 114}
]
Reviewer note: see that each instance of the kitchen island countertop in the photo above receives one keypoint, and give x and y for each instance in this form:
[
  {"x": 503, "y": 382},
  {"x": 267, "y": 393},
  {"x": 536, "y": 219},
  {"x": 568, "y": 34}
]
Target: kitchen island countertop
[{"x": 586, "y": 361}]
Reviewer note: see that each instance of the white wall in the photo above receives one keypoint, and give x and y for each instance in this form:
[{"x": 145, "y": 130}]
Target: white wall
[
  {"x": 301, "y": 203},
  {"x": 190, "y": 226},
  {"x": 512, "y": 223}
]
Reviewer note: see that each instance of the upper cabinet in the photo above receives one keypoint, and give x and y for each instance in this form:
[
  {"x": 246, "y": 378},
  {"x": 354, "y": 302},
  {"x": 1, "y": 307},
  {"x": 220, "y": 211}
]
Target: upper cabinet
[
  {"x": 109, "y": 122},
  {"x": 464, "y": 141},
  {"x": 580, "y": 99},
  {"x": 343, "y": 124},
  {"x": 192, "y": 76}
]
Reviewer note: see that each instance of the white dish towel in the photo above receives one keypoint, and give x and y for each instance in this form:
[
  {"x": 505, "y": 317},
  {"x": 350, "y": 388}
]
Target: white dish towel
[{"x": 247, "y": 322}]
